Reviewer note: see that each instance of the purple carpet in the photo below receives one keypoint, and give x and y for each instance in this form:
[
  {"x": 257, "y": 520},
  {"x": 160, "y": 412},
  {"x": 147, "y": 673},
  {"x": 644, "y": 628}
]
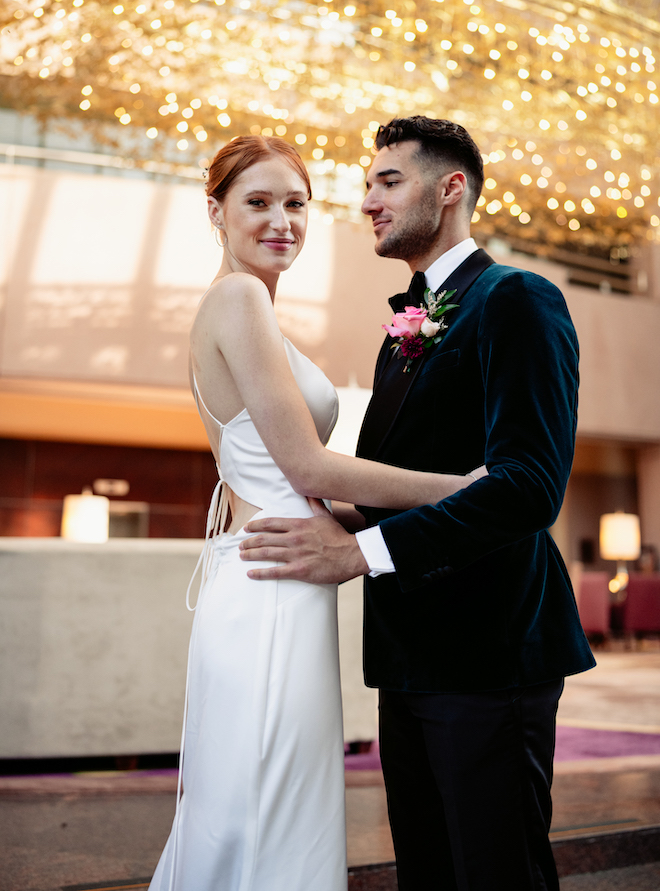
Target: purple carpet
[
  {"x": 364, "y": 760},
  {"x": 573, "y": 744},
  {"x": 576, "y": 743}
]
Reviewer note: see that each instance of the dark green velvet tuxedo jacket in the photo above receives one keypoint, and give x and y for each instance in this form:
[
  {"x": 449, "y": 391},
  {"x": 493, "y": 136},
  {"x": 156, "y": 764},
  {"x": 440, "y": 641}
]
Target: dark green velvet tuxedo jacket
[{"x": 480, "y": 598}]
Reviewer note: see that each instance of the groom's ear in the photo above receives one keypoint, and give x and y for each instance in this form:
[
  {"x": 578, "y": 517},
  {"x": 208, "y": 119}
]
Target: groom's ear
[
  {"x": 451, "y": 187},
  {"x": 215, "y": 211}
]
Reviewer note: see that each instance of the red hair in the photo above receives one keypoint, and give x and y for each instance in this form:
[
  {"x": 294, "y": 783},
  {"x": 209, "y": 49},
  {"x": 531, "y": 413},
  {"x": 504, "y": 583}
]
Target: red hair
[{"x": 244, "y": 151}]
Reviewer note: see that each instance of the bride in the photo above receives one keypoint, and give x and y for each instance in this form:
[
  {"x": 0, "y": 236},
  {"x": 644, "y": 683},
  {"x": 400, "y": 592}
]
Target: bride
[{"x": 261, "y": 806}]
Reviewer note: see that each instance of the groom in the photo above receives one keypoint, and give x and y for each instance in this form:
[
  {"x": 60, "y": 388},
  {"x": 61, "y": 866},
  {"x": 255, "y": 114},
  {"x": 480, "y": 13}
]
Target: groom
[{"x": 470, "y": 622}]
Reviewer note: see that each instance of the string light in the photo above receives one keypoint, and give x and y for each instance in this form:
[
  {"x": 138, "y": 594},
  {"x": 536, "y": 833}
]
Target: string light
[{"x": 325, "y": 78}]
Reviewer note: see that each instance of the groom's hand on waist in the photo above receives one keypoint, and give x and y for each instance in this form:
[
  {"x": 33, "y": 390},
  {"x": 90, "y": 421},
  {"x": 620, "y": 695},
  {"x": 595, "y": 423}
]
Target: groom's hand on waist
[{"x": 316, "y": 550}]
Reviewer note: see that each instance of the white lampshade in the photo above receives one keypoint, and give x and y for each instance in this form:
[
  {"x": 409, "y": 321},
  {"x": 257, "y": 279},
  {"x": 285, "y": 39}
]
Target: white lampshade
[
  {"x": 86, "y": 517},
  {"x": 619, "y": 536}
]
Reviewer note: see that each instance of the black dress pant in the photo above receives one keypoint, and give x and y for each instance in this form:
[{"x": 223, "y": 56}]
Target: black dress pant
[{"x": 468, "y": 779}]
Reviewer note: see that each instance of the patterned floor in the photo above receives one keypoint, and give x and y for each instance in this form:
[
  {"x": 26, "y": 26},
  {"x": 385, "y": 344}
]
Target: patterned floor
[{"x": 63, "y": 831}]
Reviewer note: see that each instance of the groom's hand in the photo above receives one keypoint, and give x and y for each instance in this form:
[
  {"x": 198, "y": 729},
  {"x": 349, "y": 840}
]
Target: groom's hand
[{"x": 316, "y": 550}]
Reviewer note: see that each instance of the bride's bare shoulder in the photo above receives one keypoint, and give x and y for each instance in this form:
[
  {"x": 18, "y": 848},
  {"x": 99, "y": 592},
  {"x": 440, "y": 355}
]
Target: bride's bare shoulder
[
  {"x": 238, "y": 296},
  {"x": 239, "y": 289}
]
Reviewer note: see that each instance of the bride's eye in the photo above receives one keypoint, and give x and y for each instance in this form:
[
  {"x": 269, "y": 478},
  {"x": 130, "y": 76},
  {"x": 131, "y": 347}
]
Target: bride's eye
[{"x": 257, "y": 202}]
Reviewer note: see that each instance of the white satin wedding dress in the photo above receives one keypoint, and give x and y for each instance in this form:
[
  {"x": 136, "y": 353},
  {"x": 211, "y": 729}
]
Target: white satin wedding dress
[{"x": 262, "y": 803}]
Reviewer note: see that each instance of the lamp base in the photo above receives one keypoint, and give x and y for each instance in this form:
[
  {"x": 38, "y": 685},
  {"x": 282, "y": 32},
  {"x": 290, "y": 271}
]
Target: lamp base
[{"x": 619, "y": 584}]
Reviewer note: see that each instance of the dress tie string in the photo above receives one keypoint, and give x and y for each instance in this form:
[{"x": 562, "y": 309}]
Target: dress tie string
[{"x": 216, "y": 521}]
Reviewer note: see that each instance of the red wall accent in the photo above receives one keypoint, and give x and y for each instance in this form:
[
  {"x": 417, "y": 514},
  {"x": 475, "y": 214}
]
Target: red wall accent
[{"x": 35, "y": 476}]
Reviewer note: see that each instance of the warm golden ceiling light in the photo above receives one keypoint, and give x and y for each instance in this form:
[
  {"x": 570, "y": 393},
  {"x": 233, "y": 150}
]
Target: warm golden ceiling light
[{"x": 561, "y": 78}]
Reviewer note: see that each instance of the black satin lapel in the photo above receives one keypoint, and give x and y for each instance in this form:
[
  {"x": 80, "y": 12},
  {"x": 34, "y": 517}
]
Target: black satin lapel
[
  {"x": 398, "y": 302},
  {"x": 389, "y": 395},
  {"x": 383, "y": 359},
  {"x": 393, "y": 384}
]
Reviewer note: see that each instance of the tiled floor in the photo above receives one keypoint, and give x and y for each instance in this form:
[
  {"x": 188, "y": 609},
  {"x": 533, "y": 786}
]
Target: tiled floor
[
  {"x": 645, "y": 877},
  {"x": 624, "y": 797},
  {"x": 621, "y": 693},
  {"x": 68, "y": 830}
]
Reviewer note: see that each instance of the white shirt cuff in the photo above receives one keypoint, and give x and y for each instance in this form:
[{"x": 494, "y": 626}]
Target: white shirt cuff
[{"x": 375, "y": 551}]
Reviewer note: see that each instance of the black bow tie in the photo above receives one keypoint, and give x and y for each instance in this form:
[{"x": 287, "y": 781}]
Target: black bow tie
[{"x": 414, "y": 295}]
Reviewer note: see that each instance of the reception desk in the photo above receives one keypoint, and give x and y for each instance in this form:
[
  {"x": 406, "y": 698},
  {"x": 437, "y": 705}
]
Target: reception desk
[{"x": 93, "y": 647}]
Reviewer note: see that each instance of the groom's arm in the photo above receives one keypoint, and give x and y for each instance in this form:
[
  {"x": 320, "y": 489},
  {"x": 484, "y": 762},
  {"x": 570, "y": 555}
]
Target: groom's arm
[
  {"x": 528, "y": 355},
  {"x": 529, "y": 364}
]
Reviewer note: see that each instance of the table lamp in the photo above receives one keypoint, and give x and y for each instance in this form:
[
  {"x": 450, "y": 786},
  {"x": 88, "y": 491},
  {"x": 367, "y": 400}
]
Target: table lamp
[
  {"x": 86, "y": 517},
  {"x": 620, "y": 541}
]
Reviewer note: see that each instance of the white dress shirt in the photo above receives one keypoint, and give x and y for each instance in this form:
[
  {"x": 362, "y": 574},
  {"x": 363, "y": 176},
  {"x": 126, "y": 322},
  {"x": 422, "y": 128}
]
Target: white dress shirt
[{"x": 371, "y": 541}]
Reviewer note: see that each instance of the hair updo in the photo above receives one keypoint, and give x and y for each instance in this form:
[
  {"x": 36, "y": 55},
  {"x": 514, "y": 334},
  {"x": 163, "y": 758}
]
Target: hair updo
[{"x": 244, "y": 151}]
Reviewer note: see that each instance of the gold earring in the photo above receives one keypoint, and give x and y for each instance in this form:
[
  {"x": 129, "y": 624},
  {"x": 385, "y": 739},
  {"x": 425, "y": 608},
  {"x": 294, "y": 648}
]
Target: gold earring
[{"x": 220, "y": 243}]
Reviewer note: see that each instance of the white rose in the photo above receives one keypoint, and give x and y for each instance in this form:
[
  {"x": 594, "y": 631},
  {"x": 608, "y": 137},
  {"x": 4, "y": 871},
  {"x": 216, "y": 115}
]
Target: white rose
[{"x": 429, "y": 328}]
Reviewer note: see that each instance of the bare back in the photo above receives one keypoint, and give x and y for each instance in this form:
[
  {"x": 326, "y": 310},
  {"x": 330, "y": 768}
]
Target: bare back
[
  {"x": 218, "y": 402},
  {"x": 249, "y": 474}
]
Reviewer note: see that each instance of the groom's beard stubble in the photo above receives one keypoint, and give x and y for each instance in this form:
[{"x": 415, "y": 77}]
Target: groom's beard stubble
[{"x": 415, "y": 234}]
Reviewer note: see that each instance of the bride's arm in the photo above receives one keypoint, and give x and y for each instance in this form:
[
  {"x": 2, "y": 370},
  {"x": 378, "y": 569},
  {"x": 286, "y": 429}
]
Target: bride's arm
[
  {"x": 353, "y": 521},
  {"x": 347, "y": 516},
  {"x": 239, "y": 317}
]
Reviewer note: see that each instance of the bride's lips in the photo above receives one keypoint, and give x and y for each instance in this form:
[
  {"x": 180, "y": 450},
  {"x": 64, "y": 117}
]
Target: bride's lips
[{"x": 277, "y": 244}]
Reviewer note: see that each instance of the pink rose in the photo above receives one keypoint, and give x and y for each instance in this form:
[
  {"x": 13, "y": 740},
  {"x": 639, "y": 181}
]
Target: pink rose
[{"x": 406, "y": 324}]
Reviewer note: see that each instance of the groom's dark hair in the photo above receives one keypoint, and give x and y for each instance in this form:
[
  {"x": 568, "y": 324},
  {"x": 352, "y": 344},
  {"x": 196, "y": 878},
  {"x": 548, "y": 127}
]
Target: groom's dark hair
[{"x": 442, "y": 145}]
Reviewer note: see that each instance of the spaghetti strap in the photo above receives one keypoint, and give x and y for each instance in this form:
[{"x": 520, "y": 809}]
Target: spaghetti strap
[{"x": 199, "y": 399}]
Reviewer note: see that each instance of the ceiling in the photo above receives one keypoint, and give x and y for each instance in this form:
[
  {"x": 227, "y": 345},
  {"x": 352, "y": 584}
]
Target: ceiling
[{"x": 561, "y": 97}]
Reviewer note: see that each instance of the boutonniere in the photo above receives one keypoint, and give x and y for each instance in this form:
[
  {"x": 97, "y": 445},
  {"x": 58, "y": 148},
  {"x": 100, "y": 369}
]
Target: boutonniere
[{"x": 421, "y": 327}]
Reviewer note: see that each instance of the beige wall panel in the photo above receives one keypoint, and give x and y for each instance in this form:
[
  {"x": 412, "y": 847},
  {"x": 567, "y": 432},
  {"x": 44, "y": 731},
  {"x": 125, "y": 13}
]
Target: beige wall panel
[
  {"x": 619, "y": 366},
  {"x": 101, "y": 276},
  {"x": 619, "y": 357},
  {"x": 648, "y": 493}
]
